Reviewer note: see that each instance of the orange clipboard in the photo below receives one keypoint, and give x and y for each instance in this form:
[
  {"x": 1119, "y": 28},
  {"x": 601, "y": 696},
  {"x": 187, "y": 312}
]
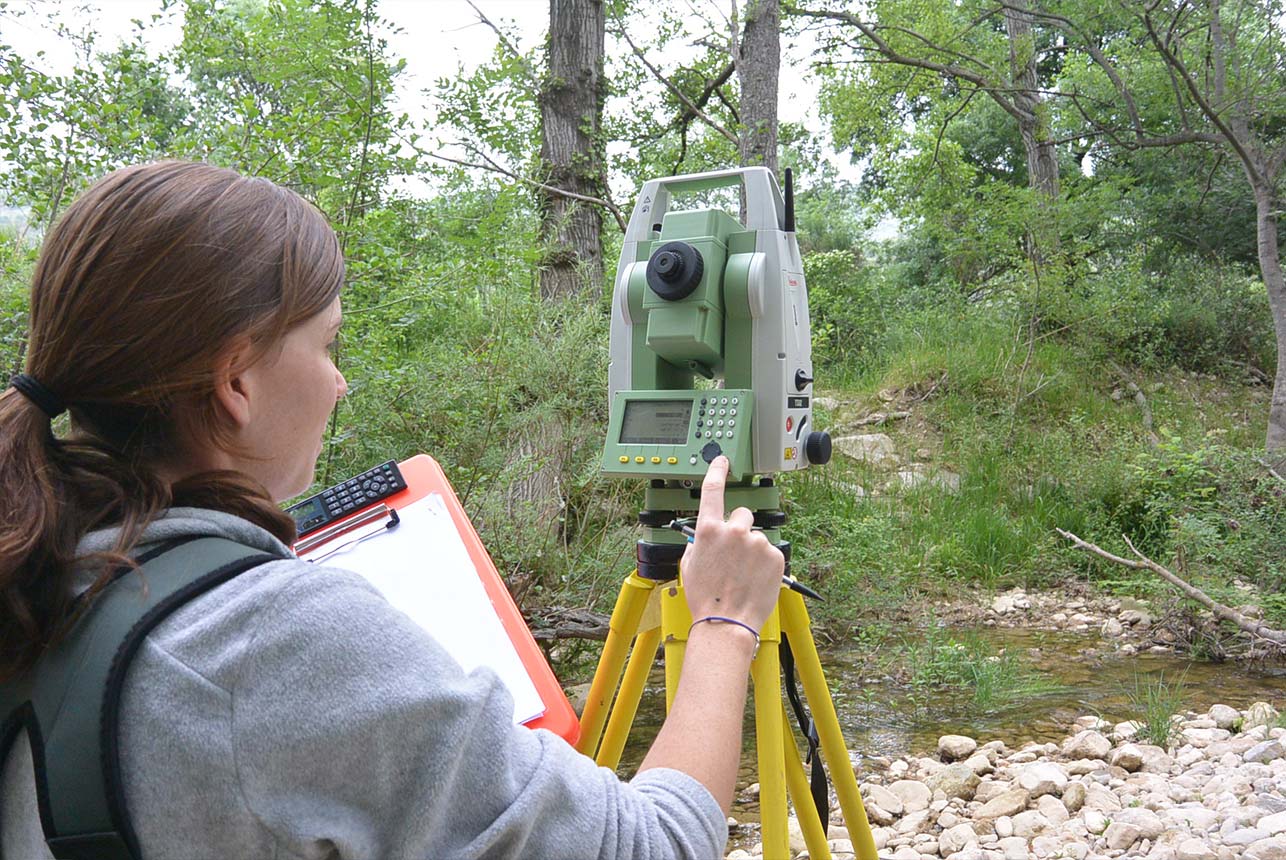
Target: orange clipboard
[{"x": 423, "y": 476}]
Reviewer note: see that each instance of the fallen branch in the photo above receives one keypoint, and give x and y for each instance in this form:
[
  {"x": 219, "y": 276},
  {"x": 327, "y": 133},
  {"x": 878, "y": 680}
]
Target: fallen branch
[
  {"x": 1254, "y": 628},
  {"x": 569, "y": 624},
  {"x": 1139, "y": 399},
  {"x": 881, "y": 417}
]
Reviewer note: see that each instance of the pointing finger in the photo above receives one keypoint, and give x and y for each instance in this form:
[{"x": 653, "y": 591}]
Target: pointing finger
[{"x": 711, "y": 508}]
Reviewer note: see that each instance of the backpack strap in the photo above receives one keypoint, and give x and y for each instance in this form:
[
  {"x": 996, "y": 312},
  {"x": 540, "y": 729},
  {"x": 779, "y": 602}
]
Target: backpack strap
[{"x": 70, "y": 703}]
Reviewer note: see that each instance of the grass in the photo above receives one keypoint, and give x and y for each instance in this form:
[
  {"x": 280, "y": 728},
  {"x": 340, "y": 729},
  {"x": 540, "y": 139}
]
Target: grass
[
  {"x": 1155, "y": 701},
  {"x": 953, "y": 660}
]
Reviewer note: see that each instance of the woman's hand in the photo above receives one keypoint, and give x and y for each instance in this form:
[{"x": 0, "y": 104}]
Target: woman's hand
[{"x": 729, "y": 570}]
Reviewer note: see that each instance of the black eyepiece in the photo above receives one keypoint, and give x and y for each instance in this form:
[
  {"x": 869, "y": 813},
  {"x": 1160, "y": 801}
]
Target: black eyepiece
[{"x": 674, "y": 270}]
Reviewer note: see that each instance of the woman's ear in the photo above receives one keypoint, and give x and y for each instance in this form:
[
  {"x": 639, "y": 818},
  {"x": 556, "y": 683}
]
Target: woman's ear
[{"x": 232, "y": 390}]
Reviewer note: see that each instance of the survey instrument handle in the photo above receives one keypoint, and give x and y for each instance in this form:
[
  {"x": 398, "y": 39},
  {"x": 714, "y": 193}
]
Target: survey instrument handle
[{"x": 789, "y": 582}]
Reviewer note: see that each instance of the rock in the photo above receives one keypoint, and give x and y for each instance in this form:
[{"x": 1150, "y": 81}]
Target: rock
[
  {"x": 915, "y": 796},
  {"x": 1111, "y": 628},
  {"x": 980, "y": 764},
  {"x": 1274, "y": 824},
  {"x": 1014, "y": 848},
  {"x": 1135, "y": 618},
  {"x": 956, "y": 839},
  {"x": 1053, "y": 810},
  {"x": 1101, "y": 798},
  {"x": 1265, "y": 752},
  {"x": 1120, "y": 836},
  {"x": 919, "y": 475},
  {"x": 1224, "y": 717},
  {"x": 1155, "y": 759},
  {"x": 796, "y": 834},
  {"x": 1042, "y": 778},
  {"x": 1194, "y": 849},
  {"x": 914, "y": 822},
  {"x": 1126, "y": 731},
  {"x": 577, "y": 696},
  {"x": 1074, "y": 796},
  {"x": 989, "y": 788},
  {"x": 739, "y": 854},
  {"x": 955, "y": 780},
  {"x": 1030, "y": 824},
  {"x": 923, "y": 454},
  {"x": 1245, "y": 836},
  {"x": 1267, "y": 849},
  {"x": 878, "y": 815},
  {"x": 1087, "y": 744},
  {"x": 956, "y": 747},
  {"x": 1259, "y": 714},
  {"x": 1095, "y": 821},
  {"x": 874, "y": 448},
  {"x": 1010, "y": 803},
  {"x": 1149, "y": 825},
  {"x": 1127, "y": 757},
  {"x": 882, "y": 797},
  {"x": 828, "y": 403}
]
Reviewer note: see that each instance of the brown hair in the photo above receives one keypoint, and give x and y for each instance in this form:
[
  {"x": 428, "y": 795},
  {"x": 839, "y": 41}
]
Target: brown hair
[{"x": 147, "y": 278}]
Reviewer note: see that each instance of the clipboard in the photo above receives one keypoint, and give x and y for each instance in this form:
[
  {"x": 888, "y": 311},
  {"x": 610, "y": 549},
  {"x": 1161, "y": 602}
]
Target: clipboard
[{"x": 424, "y": 478}]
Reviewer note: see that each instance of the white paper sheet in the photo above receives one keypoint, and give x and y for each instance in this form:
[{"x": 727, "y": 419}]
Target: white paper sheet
[{"x": 423, "y": 569}]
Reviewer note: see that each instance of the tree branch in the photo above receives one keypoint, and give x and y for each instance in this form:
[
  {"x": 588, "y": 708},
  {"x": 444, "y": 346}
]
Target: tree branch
[
  {"x": 678, "y": 93},
  {"x": 533, "y": 77},
  {"x": 1254, "y": 628},
  {"x": 496, "y": 168}
]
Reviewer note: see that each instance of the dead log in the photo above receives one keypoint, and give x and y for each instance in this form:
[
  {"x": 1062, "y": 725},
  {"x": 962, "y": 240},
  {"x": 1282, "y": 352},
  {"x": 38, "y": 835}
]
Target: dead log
[
  {"x": 1255, "y": 628},
  {"x": 564, "y": 623},
  {"x": 1139, "y": 399}
]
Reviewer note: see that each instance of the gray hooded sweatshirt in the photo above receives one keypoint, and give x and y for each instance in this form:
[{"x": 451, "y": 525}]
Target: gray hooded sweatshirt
[{"x": 292, "y": 712}]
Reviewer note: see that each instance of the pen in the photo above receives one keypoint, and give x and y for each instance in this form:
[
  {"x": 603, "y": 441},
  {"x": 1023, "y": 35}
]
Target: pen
[{"x": 790, "y": 582}]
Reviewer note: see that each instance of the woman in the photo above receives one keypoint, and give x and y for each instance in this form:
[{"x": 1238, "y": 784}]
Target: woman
[{"x": 183, "y": 315}]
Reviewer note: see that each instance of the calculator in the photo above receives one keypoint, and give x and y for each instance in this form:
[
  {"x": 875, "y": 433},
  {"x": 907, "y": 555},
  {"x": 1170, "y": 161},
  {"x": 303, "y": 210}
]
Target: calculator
[{"x": 337, "y": 502}]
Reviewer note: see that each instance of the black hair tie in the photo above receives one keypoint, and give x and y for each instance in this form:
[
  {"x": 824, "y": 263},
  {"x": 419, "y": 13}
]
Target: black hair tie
[{"x": 31, "y": 388}]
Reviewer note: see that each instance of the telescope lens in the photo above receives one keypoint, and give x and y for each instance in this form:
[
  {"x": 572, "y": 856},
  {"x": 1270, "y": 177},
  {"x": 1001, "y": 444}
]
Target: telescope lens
[{"x": 674, "y": 271}]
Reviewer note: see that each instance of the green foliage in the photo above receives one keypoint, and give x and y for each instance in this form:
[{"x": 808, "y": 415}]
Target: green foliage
[
  {"x": 1155, "y": 702},
  {"x": 941, "y": 659}
]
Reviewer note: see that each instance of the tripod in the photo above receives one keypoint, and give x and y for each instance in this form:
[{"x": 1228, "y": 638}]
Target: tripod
[{"x": 651, "y": 610}]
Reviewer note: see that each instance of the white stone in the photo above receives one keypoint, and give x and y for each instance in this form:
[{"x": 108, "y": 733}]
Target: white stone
[
  {"x": 1274, "y": 824},
  {"x": 1194, "y": 849},
  {"x": 1224, "y": 717},
  {"x": 1086, "y": 744},
  {"x": 1004, "y": 827},
  {"x": 1030, "y": 824},
  {"x": 1264, "y": 752},
  {"x": 882, "y": 797},
  {"x": 980, "y": 764},
  {"x": 1010, "y": 803},
  {"x": 915, "y": 796},
  {"x": 956, "y": 747},
  {"x": 956, "y": 838},
  {"x": 874, "y": 448},
  {"x": 1095, "y": 821},
  {"x": 1120, "y": 836},
  {"x": 1267, "y": 849},
  {"x": 1259, "y": 714},
  {"x": 1014, "y": 848},
  {"x": 1245, "y": 836},
  {"x": 1149, "y": 824},
  {"x": 1042, "y": 778},
  {"x": 1127, "y": 757},
  {"x": 1053, "y": 809}
]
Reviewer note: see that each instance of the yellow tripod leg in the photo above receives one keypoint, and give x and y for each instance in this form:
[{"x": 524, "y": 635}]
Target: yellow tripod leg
[
  {"x": 801, "y": 794},
  {"x": 770, "y": 742},
  {"x": 676, "y": 620},
  {"x": 626, "y": 615},
  {"x": 809, "y": 666},
  {"x": 627, "y": 699}
]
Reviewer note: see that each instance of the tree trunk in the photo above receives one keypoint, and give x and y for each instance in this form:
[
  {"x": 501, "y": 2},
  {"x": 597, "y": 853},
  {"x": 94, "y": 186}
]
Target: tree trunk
[
  {"x": 571, "y": 110},
  {"x": 1270, "y": 267},
  {"x": 1037, "y": 135},
  {"x": 757, "y": 71}
]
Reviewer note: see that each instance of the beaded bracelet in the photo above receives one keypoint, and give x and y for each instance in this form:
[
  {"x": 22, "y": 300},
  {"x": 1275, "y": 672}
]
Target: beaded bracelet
[{"x": 721, "y": 619}]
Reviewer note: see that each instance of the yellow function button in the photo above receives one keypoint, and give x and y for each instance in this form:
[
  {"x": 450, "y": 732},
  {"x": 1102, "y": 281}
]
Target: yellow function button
[
  {"x": 672, "y": 460},
  {"x": 625, "y": 459},
  {"x": 656, "y": 459},
  {"x": 640, "y": 459}
]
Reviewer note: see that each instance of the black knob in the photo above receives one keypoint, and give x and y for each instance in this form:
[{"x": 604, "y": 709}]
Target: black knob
[
  {"x": 710, "y": 451},
  {"x": 674, "y": 270},
  {"x": 802, "y": 380},
  {"x": 817, "y": 447}
]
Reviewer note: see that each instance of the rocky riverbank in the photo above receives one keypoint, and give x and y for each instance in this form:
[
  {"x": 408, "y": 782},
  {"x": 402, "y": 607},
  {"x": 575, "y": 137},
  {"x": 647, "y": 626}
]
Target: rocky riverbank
[{"x": 1217, "y": 793}]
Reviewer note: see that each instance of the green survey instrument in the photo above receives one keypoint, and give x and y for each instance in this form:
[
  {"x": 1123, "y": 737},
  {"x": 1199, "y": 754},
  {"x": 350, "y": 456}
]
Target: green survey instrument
[
  {"x": 701, "y": 296},
  {"x": 710, "y": 355}
]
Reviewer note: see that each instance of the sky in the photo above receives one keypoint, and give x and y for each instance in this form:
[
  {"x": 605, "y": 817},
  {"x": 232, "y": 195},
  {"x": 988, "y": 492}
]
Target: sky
[{"x": 437, "y": 38}]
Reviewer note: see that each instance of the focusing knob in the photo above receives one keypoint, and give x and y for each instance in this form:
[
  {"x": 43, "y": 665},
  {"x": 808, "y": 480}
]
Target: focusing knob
[
  {"x": 710, "y": 451},
  {"x": 674, "y": 270},
  {"x": 817, "y": 447},
  {"x": 802, "y": 380}
]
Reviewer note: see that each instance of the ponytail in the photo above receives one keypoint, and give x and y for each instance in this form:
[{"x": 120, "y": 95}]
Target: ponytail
[{"x": 145, "y": 280}]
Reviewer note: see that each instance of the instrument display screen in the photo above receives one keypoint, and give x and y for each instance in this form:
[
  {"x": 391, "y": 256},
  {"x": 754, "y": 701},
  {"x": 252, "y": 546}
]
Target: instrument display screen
[{"x": 656, "y": 422}]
